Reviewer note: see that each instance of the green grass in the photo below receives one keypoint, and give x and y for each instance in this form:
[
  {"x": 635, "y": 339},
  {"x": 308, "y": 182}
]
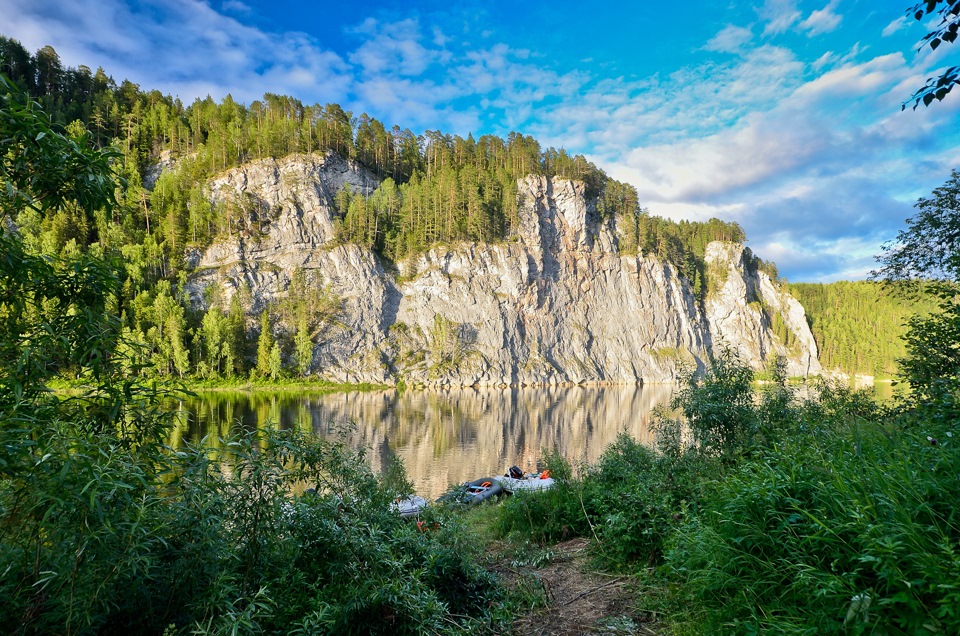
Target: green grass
[
  {"x": 832, "y": 514},
  {"x": 239, "y": 384}
]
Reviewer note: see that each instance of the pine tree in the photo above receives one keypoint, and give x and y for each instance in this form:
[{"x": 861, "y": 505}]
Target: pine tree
[{"x": 265, "y": 345}]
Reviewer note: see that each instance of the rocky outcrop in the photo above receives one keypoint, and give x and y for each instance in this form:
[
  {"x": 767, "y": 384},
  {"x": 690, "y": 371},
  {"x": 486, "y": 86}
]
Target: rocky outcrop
[
  {"x": 749, "y": 314},
  {"x": 555, "y": 303}
]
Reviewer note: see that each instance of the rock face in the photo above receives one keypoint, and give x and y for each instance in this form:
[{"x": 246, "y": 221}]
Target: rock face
[
  {"x": 555, "y": 303},
  {"x": 745, "y": 311}
]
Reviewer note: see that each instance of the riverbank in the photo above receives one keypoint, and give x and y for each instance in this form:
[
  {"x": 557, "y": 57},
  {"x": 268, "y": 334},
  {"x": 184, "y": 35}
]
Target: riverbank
[
  {"x": 197, "y": 385},
  {"x": 830, "y": 511}
]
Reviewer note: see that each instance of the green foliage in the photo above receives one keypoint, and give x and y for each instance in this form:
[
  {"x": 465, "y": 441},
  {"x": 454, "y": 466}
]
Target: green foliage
[
  {"x": 265, "y": 345},
  {"x": 946, "y": 31},
  {"x": 44, "y": 169},
  {"x": 843, "y": 526},
  {"x": 771, "y": 514},
  {"x": 620, "y": 503},
  {"x": 106, "y": 529},
  {"x": 628, "y": 502},
  {"x": 548, "y": 516},
  {"x": 307, "y": 314},
  {"x": 103, "y": 536},
  {"x": 634, "y": 497},
  {"x": 928, "y": 251},
  {"x": 637, "y": 497},
  {"x": 932, "y": 363},
  {"x": 926, "y": 258},
  {"x": 681, "y": 243},
  {"x": 719, "y": 407},
  {"x": 451, "y": 345},
  {"x": 859, "y": 325}
]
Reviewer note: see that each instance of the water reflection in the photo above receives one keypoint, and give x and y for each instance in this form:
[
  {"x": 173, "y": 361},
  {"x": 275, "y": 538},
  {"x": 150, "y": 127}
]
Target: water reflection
[
  {"x": 444, "y": 437},
  {"x": 885, "y": 391}
]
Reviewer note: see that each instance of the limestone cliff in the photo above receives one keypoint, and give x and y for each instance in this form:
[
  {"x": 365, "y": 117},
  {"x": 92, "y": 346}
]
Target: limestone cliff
[{"x": 555, "y": 303}]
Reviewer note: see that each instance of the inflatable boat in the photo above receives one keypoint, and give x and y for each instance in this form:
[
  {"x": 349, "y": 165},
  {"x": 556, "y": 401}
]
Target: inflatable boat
[
  {"x": 409, "y": 506},
  {"x": 518, "y": 481},
  {"x": 474, "y": 492},
  {"x": 479, "y": 490}
]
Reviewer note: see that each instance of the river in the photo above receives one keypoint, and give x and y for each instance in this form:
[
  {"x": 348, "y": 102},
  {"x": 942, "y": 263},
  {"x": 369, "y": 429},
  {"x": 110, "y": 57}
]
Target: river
[
  {"x": 444, "y": 436},
  {"x": 447, "y": 436}
]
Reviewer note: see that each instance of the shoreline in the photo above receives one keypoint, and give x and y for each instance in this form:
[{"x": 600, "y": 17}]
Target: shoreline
[{"x": 325, "y": 386}]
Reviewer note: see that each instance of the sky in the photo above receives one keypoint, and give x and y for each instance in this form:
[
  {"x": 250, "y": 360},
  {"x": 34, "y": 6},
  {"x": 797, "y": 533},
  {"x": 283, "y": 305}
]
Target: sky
[{"x": 782, "y": 115}]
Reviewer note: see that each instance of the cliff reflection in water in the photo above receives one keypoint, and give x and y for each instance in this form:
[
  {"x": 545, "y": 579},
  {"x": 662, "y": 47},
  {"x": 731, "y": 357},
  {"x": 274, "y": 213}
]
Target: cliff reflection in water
[{"x": 445, "y": 436}]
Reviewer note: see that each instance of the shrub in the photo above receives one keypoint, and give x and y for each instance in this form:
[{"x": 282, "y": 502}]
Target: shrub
[
  {"x": 628, "y": 503},
  {"x": 548, "y": 516},
  {"x": 636, "y": 500},
  {"x": 848, "y": 526},
  {"x": 106, "y": 529},
  {"x": 719, "y": 407}
]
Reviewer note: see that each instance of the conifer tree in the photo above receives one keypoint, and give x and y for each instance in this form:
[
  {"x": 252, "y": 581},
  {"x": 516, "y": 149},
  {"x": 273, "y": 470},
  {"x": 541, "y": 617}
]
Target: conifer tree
[{"x": 265, "y": 345}]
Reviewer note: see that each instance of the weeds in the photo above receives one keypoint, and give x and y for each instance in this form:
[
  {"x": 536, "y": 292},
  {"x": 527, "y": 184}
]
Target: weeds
[
  {"x": 106, "y": 529},
  {"x": 774, "y": 514}
]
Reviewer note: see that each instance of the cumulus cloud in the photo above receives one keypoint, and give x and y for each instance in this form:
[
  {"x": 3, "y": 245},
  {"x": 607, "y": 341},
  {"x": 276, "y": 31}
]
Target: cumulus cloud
[{"x": 817, "y": 179}]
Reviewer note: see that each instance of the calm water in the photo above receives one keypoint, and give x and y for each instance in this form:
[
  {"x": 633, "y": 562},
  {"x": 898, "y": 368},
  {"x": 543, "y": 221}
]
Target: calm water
[
  {"x": 445, "y": 437},
  {"x": 448, "y": 437}
]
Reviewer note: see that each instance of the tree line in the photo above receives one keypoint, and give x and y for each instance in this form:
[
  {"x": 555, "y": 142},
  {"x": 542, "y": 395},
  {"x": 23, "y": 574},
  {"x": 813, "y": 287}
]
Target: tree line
[{"x": 859, "y": 325}]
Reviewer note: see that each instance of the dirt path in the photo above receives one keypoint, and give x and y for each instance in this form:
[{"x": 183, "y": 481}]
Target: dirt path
[{"x": 579, "y": 600}]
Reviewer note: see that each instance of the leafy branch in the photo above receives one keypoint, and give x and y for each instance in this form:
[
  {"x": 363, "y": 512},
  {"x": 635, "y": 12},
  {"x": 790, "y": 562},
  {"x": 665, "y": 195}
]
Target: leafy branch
[{"x": 937, "y": 88}]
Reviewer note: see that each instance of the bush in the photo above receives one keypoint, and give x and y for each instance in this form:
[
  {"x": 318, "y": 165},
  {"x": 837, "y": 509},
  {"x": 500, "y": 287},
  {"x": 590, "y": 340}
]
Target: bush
[
  {"x": 547, "y": 516},
  {"x": 719, "y": 407},
  {"x": 106, "y": 529},
  {"x": 96, "y": 541},
  {"x": 628, "y": 503},
  {"x": 637, "y": 497},
  {"x": 848, "y": 526}
]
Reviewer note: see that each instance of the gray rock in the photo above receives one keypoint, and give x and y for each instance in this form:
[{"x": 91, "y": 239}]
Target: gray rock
[{"x": 555, "y": 303}]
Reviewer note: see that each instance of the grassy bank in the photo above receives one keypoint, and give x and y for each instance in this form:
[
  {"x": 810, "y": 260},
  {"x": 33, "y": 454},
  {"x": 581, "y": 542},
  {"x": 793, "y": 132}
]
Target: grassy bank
[
  {"x": 829, "y": 514},
  {"x": 236, "y": 384}
]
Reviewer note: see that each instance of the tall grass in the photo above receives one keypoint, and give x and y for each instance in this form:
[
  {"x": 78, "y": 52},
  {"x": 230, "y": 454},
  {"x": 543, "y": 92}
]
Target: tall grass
[
  {"x": 847, "y": 525},
  {"x": 99, "y": 541},
  {"x": 628, "y": 503},
  {"x": 104, "y": 529},
  {"x": 774, "y": 514}
]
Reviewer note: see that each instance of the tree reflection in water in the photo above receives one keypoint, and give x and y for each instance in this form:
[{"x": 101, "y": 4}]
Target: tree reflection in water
[{"x": 443, "y": 436}]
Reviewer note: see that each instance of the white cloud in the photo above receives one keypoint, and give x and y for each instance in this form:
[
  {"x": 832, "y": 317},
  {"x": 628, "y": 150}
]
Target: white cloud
[
  {"x": 439, "y": 38},
  {"x": 824, "y": 60},
  {"x": 178, "y": 44},
  {"x": 817, "y": 163},
  {"x": 779, "y": 16},
  {"x": 822, "y": 21},
  {"x": 730, "y": 39},
  {"x": 236, "y": 6},
  {"x": 852, "y": 80},
  {"x": 392, "y": 49},
  {"x": 807, "y": 153},
  {"x": 894, "y": 26}
]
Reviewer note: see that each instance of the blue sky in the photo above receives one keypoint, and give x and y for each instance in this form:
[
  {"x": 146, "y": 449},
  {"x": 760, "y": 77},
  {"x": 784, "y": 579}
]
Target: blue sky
[{"x": 782, "y": 115}]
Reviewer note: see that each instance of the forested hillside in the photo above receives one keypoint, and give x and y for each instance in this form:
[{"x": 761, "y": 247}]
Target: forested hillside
[
  {"x": 858, "y": 325},
  {"x": 435, "y": 187}
]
